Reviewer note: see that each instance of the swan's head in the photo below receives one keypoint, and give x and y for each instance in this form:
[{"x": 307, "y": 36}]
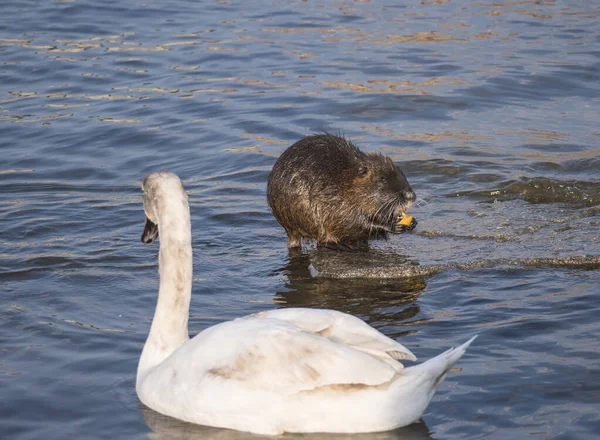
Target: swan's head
[{"x": 159, "y": 189}]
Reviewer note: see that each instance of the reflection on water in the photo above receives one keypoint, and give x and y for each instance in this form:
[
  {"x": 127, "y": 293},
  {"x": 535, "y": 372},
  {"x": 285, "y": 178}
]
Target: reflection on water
[
  {"x": 380, "y": 302},
  {"x": 167, "y": 428},
  {"x": 490, "y": 107}
]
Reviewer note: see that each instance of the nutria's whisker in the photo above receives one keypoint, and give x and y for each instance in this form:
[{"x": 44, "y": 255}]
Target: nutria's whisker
[
  {"x": 420, "y": 203},
  {"x": 374, "y": 218},
  {"x": 390, "y": 220},
  {"x": 388, "y": 206},
  {"x": 391, "y": 217}
]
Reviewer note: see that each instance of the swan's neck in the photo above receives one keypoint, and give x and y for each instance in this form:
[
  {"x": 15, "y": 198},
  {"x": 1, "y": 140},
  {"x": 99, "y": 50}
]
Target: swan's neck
[{"x": 169, "y": 329}]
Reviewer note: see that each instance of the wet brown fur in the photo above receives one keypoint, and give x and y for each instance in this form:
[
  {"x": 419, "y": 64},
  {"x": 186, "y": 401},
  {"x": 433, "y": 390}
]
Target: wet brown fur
[{"x": 324, "y": 188}]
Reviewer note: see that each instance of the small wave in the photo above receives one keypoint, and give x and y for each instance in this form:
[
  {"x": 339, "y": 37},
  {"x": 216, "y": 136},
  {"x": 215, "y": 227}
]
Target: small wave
[{"x": 541, "y": 190}]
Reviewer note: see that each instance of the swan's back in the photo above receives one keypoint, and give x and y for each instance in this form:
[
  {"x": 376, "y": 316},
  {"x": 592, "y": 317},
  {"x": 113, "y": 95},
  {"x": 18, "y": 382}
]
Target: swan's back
[{"x": 332, "y": 368}]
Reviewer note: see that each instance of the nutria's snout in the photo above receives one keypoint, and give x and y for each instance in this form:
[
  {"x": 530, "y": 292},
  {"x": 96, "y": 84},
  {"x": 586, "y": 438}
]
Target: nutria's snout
[
  {"x": 324, "y": 188},
  {"x": 407, "y": 200}
]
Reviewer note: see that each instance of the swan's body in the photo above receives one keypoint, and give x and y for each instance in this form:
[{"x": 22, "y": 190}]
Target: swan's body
[{"x": 288, "y": 370}]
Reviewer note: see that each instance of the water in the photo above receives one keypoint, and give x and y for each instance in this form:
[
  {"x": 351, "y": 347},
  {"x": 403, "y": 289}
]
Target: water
[{"x": 490, "y": 108}]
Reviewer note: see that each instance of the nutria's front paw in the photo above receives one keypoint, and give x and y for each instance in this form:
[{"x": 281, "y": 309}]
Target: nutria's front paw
[{"x": 405, "y": 223}]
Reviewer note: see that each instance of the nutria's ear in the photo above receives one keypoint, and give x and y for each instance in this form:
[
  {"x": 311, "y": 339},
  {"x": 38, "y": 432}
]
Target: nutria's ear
[{"x": 363, "y": 171}]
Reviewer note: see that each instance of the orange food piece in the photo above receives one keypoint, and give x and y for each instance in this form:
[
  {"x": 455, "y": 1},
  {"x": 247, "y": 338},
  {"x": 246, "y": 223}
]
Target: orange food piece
[{"x": 405, "y": 219}]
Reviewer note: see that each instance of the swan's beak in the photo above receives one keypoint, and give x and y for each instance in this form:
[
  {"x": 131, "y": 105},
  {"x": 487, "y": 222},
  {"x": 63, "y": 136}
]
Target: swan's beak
[{"x": 150, "y": 231}]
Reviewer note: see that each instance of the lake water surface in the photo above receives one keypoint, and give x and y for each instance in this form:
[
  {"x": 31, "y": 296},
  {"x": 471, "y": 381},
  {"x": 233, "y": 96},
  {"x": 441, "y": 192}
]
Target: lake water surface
[{"x": 490, "y": 107}]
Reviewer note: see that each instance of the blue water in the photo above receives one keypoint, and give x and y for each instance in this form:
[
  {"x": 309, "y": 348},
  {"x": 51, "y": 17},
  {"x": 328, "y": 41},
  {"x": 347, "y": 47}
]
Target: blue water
[{"x": 490, "y": 108}]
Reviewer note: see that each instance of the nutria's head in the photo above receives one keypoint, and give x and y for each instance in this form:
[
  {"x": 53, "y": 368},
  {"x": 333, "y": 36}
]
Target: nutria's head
[
  {"x": 375, "y": 195},
  {"x": 324, "y": 188}
]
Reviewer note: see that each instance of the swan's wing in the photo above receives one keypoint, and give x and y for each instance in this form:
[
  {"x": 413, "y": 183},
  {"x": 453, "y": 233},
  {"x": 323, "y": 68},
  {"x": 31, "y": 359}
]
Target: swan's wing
[
  {"x": 264, "y": 354},
  {"x": 342, "y": 328}
]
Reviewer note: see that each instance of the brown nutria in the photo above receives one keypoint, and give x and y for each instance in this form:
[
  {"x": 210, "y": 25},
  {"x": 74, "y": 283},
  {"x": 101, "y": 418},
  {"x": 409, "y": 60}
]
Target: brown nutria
[{"x": 325, "y": 189}]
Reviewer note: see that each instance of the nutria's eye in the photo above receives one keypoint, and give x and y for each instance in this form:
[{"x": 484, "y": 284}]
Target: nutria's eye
[{"x": 363, "y": 171}]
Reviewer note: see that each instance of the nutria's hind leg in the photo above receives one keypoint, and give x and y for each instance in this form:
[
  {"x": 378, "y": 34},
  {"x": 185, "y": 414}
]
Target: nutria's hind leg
[{"x": 294, "y": 239}]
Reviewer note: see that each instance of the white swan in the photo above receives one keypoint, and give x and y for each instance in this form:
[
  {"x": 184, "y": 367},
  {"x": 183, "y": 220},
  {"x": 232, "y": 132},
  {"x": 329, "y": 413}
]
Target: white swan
[{"x": 288, "y": 370}]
